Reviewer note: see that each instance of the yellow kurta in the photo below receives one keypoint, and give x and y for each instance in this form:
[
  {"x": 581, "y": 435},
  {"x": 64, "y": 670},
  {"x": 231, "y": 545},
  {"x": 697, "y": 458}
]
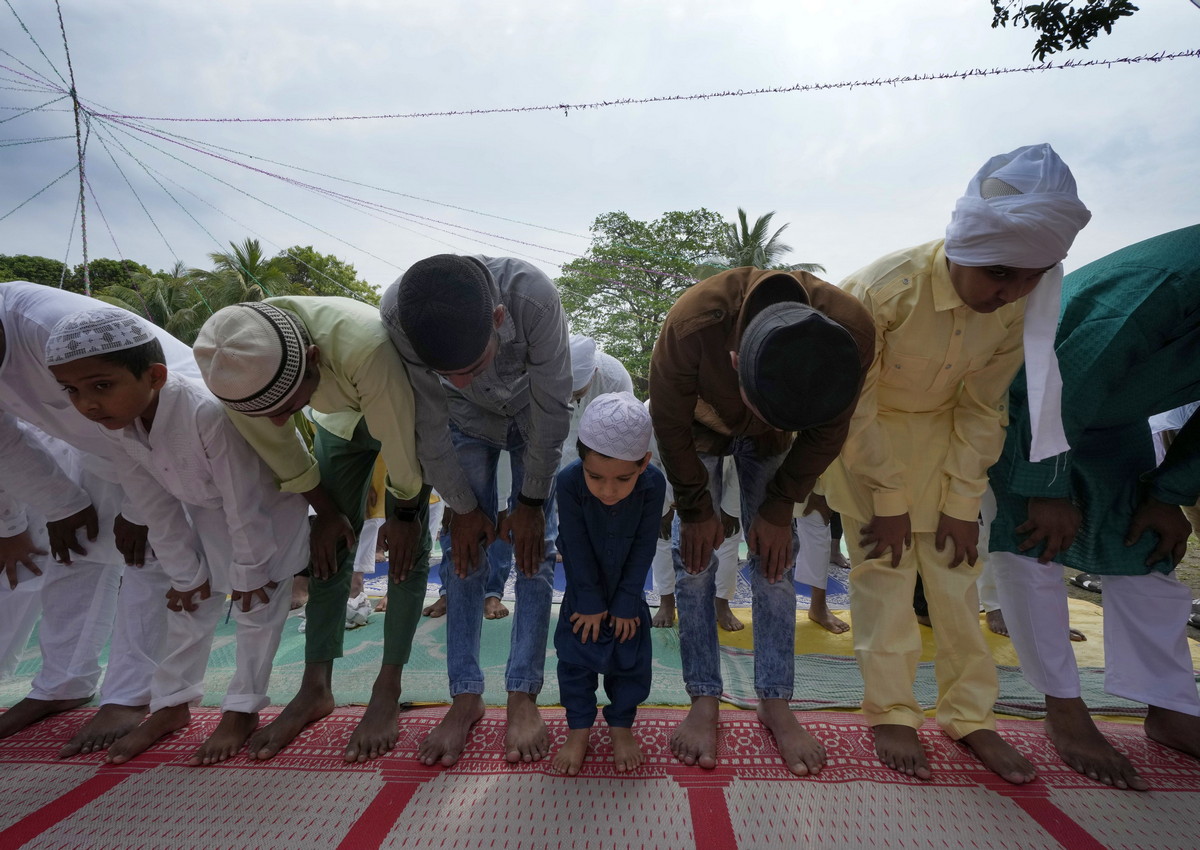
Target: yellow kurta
[
  {"x": 929, "y": 423},
  {"x": 930, "y": 420}
]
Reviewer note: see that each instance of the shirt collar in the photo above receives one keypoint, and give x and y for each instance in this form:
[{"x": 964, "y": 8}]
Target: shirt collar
[{"x": 945, "y": 297}]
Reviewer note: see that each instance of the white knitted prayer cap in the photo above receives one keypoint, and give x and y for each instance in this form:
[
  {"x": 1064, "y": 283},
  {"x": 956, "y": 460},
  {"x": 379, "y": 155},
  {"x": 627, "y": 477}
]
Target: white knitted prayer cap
[
  {"x": 617, "y": 425},
  {"x": 92, "y": 332},
  {"x": 252, "y": 356},
  {"x": 1021, "y": 209},
  {"x": 583, "y": 361}
]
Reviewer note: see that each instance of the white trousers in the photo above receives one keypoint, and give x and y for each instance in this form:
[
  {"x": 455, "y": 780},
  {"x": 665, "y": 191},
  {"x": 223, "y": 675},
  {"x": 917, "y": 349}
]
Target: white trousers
[
  {"x": 20, "y": 608},
  {"x": 368, "y": 542},
  {"x": 812, "y": 556},
  {"x": 85, "y": 603},
  {"x": 1145, "y": 633},
  {"x": 179, "y": 679},
  {"x": 662, "y": 568},
  {"x": 989, "y": 599}
]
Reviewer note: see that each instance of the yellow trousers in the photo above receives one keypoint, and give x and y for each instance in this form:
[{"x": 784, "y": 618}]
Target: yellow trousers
[{"x": 887, "y": 638}]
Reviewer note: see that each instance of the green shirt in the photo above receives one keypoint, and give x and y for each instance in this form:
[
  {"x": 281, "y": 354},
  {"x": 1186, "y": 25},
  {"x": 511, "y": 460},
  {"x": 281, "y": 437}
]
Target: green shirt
[
  {"x": 1128, "y": 346},
  {"x": 362, "y": 377}
]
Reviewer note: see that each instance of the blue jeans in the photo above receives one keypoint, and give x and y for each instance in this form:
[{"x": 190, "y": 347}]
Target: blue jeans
[
  {"x": 774, "y": 604},
  {"x": 464, "y": 596},
  {"x": 499, "y": 553}
]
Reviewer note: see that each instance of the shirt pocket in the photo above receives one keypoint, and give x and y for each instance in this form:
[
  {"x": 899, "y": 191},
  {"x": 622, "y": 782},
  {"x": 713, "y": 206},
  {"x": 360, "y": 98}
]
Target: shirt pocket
[
  {"x": 510, "y": 361},
  {"x": 907, "y": 371}
]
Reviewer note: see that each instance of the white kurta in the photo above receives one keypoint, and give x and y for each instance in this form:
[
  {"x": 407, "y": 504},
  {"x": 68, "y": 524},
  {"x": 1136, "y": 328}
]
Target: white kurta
[
  {"x": 28, "y": 391},
  {"x": 215, "y": 515}
]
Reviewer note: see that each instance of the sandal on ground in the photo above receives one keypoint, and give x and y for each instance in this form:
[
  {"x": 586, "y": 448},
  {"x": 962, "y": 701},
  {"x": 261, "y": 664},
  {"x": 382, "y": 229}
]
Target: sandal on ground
[{"x": 1087, "y": 581}]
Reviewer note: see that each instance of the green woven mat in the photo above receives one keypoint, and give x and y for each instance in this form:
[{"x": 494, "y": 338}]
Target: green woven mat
[{"x": 822, "y": 681}]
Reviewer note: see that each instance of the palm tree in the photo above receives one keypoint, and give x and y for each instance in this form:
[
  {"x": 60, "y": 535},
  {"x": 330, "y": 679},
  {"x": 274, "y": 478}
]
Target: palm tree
[
  {"x": 745, "y": 245},
  {"x": 242, "y": 274},
  {"x": 172, "y": 300}
]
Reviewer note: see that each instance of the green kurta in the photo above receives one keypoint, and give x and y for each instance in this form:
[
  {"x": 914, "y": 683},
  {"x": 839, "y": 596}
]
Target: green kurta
[{"x": 1128, "y": 346}]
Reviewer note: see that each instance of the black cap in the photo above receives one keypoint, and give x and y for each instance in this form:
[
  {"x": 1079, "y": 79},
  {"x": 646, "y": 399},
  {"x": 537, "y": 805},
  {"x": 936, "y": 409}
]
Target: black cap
[
  {"x": 798, "y": 367},
  {"x": 445, "y": 304}
]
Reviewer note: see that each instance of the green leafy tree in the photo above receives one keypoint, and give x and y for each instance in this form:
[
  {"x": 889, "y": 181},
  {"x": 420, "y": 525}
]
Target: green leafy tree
[
  {"x": 1061, "y": 22},
  {"x": 324, "y": 274},
  {"x": 620, "y": 291},
  {"x": 103, "y": 272},
  {"x": 32, "y": 268},
  {"x": 743, "y": 244},
  {"x": 173, "y": 300}
]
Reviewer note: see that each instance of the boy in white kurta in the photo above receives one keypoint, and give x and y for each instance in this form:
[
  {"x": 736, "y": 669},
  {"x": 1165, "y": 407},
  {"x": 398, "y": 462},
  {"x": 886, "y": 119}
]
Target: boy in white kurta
[
  {"x": 93, "y": 535},
  {"x": 217, "y": 520}
]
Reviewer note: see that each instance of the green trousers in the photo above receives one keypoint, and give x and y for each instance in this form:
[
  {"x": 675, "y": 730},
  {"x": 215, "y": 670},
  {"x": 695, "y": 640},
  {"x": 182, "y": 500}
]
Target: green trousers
[{"x": 346, "y": 467}]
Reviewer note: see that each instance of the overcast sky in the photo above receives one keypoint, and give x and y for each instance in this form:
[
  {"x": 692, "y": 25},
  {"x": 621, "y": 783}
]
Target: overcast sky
[{"x": 857, "y": 173}]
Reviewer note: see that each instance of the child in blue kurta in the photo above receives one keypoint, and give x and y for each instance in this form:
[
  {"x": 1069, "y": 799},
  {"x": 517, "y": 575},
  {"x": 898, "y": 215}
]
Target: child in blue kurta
[{"x": 609, "y": 505}]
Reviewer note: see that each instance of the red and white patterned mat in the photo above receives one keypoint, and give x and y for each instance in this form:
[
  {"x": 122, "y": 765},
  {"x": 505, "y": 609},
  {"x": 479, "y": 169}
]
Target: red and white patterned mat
[{"x": 307, "y": 797}]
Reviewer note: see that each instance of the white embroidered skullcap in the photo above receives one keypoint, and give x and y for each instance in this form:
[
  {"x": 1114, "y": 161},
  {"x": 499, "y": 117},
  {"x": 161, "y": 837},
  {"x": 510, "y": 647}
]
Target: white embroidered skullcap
[
  {"x": 617, "y": 425},
  {"x": 252, "y": 356},
  {"x": 1021, "y": 209},
  {"x": 583, "y": 361},
  {"x": 92, "y": 332}
]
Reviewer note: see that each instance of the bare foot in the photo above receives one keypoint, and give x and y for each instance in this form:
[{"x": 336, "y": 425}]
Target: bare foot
[
  {"x": 1077, "y": 635},
  {"x": 29, "y": 711},
  {"x": 493, "y": 609},
  {"x": 726, "y": 619},
  {"x": 299, "y": 592},
  {"x": 446, "y": 742},
  {"x": 995, "y": 622},
  {"x": 107, "y": 725},
  {"x": 569, "y": 757},
  {"x": 526, "y": 738},
  {"x": 1079, "y": 743},
  {"x": 801, "y": 752},
  {"x": 376, "y": 733},
  {"x": 900, "y": 749},
  {"x": 829, "y": 621},
  {"x": 1174, "y": 729},
  {"x": 309, "y": 705},
  {"x": 999, "y": 756},
  {"x": 694, "y": 741},
  {"x": 820, "y": 614},
  {"x": 227, "y": 739},
  {"x": 158, "y": 725},
  {"x": 436, "y": 609},
  {"x": 627, "y": 752},
  {"x": 839, "y": 560},
  {"x": 665, "y": 616},
  {"x": 381, "y": 605}
]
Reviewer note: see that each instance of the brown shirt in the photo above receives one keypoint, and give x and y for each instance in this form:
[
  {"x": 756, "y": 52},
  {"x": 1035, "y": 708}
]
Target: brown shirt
[{"x": 696, "y": 402}]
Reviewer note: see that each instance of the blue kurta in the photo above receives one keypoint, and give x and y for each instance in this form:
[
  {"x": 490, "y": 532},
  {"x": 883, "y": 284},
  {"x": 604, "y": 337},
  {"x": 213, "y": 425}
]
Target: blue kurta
[
  {"x": 606, "y": 553},
  {"x": 1128, "y": 346}
]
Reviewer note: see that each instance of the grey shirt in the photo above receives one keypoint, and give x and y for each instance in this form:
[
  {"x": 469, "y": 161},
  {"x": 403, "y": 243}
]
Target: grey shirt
[{"x": 528, "y": 382}]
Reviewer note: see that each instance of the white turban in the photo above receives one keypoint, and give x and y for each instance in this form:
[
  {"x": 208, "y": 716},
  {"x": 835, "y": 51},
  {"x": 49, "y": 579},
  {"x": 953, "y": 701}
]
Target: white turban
[
  {"x": 89, "y": 333},
  {"x": 1021, "y": 209},
  {"x": 616, "y": 425},
  {"x": 583, "y": 361}
]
